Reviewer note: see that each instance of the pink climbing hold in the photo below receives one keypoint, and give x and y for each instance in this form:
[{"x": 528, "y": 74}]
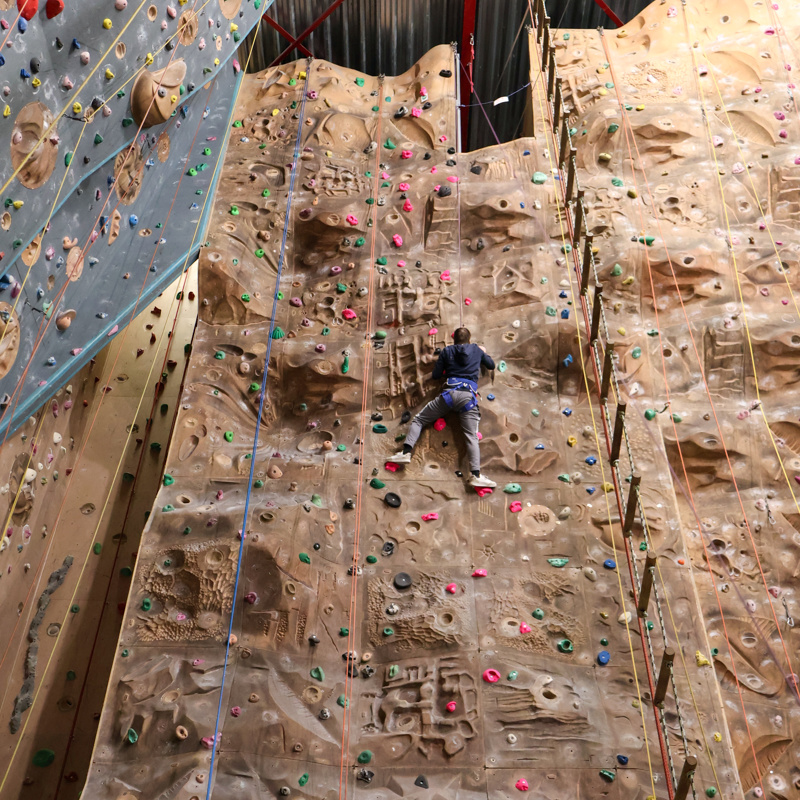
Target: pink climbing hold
[
  {"x": 451, "y": 706},
  {"x": 451, "y": 587},
  {"x": 385, "y": 176},
  {"x": 433, "y": 331},
  {"x": 452, "y": 178},
  {"x": 76, "y": 351},
  {"x": 524, "y": 627},
  {"x": 237, "y": 67},
  {"x": 522, "y": 785},
  {"x": 220, "y": 494},
  {"x": 348, "y": 313},
  {"x": 480, "y": 436},
  {"x": 774, "y": 591},
  {"x": 408, "y": 206},
  {"x": 208, "y": 741},
  {"x": 416, "y": 112},
  {"x": 198, "y": 661},
  {"x": 401, "y": 263},
  {"x": 351, "y": 219},
  {"x": 434, "y": 170},
  {"x": 236, "y": 711},
  {"x": 429, "y": 517},
  {"x": 445, "y": 276},
  {"x": 390, "y": 466},
  {"x": 479, "y": 573},
  {"x": 113, "y": 330},
  {"x": 55, "y": 408},
  {"x": 403, "y": 187},
  {"x": 442, "y": 138},
  {"x": 467, "y": 301},
  {"x": 482, "y": 491},
  {"x": 180, "y": 617},
  {"x": 250, "y": 597},
  {"x": 406, "y": 154},
  {"x": 491, "y": 676},
  {"x": 782, "y": 133},
  {"x": 515, "y": 507},
  {"x": 440, "y": 424},
  {"x": 397, "y": 240}
]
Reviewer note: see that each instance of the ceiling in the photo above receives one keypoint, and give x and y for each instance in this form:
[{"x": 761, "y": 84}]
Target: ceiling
[{"x": 388, "y": 36}]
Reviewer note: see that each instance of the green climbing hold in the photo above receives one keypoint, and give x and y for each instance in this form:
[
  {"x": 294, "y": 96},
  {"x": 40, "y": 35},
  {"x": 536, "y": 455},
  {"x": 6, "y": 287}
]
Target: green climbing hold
[
  {"x": 379, "y": 428},
  {"x": 341, "y": 288},
  {"x": 365, "y": 757},
  {"x": 566, "y": 248},
  {"x": 279, "y": 295},
  {"x": 97, "y": 548},
  {"x": 245, "y": 297},
  {"x": 648, "y": 240},
  {"x": 125, "y": 653},
  {"x": 382, "y": 261},
  {"x": 191, "y": 171},
  {"x": 67, "y": 159},
  {"x": 316, "y": 500},
  {"x": 711, "y": 791},
  {"x": 564, "y": 477},
  {"x": 186, "y": 531},
  {"x": 360, "y": 241},
  {"x": 318, "y": 673},
  {"x": 376, "y": 483},
  {"x": 147, "y": 604},
  {"x": 550, "y": 311},
  {"x": 234, "y": 211},
  {"x": 375, "y": 108},
  {"x": 604, "y": 642},
  {"x": 71, "y": 675},
  {"x": 617, "y": 181},
  {"x": 237, "y": 124},
  {"x": 394, "y": 670},
  {"x": 636, "y": 352},
  {"x": 650, "y": 625},
  {"x": 558, "y": 562},
  {"x": 388, "y": 631},
  {"x": 370, "y": 201},
  {"x": 228, "y": 436},
  {"x": 342, "y": 701},
  {"x": 278, "y": 333},
  {"x": 258, "y": 484},
  {"x": 643, "y": 547},
  {"x": 372, "y": 559},
  {"x": 359, "y": 81},
  {"x": 341, "y": 447},
  {"x": 677, "y": 418},
  {"x": 565, "y": 646},
  {"x": 513, "y": 675},
  {"x": 259, "y": 253},
  {"x": 43, "y": 758},
  {"x": 305, "y": 558},
  {"x": 613, "y": 127},
  {"x": 512, "y": 488},
  {"x": 616, "y": 270},
  {"x": 608, "y": 775},
  {"x": 168, "y": 479},
  {"x": 379, "y": 335},
  {"x": 566, "y": 37},
  {"x": 539, "y": 178},
  {"x": 535, "y": 412},
  {"x": 254, "y": 387},
  {"x": 219, "y": 355},
  {"x": 537, "y": 613},
  {"x": 303, "y": 779},
  {"x": 346, "y": 365},
  {"x": 132, "y": 736},
  {"x": 265, "y": 193},
  {"x": 649, "y": 414},
  {"x": 127, "y": 122},
  {"x": 206, "y": 151},
  {"x": 390, "y": 145},
  {"x": 98, "y": 139},
  {"x": 168, "y": 507},
  {"x": 126, "y": 572}
]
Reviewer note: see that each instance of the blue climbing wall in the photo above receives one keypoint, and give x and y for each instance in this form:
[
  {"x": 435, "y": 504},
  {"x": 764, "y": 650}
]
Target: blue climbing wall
[{"x": 99, "y": 213}]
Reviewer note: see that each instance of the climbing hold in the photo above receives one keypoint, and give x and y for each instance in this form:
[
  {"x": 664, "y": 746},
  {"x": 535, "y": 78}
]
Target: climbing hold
[
  {"x": 539, "y": 178},
  {"x": 603, "y": 657},
  {"x": 422, "y": 781},
  {"x": 609, "y": 563},
  {"x": 43, "y": 758},
  {"x": 402, "y": 580},
  {"x": 392, "y": 500},
  {"x": 608, "y": 775},
  {"x": 451, "y": 588},
  {"x": 228, "y": 436},
  {"x": 132, "y": 736},
  {"x": 318, "y": 673},
  {"x": 522, "y": 785},
  {"x": 558, "y": 562},
  {"x": 537, "y": 613},
  {"x": 701, "y": 660},
  {"x": 305, "y": 558},
  {"x": 565, "y": 646},
  {"x": 491, "y": 676},
  {"x": 365, "y": 757}
]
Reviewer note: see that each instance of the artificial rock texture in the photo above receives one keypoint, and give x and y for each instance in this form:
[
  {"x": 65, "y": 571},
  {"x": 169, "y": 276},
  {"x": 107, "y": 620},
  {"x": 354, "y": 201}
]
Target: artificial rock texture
[
  {"x": 392, "y": 241},
  {"x": 686, "y": 129}
]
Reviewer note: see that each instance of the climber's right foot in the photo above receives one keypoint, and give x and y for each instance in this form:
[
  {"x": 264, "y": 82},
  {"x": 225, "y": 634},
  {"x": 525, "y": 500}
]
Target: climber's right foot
[{"x": 400, "y": 458}]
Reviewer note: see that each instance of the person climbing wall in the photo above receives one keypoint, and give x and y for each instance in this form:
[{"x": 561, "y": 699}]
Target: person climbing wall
[{"x": 460, "y": 363}]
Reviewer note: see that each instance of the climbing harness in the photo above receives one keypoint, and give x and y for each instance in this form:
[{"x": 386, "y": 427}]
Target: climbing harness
[{"x": 460, "y": 386}]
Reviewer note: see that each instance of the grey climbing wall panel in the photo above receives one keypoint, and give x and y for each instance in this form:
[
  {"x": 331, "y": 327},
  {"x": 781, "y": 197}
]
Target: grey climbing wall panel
[{"x": 77, "y": 86}]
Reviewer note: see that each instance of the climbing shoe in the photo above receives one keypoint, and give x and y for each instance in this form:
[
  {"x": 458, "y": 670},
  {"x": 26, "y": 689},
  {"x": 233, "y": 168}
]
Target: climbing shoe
[
  {"x": 481, "y": 481},
  {"x": 400, "y": 458}
]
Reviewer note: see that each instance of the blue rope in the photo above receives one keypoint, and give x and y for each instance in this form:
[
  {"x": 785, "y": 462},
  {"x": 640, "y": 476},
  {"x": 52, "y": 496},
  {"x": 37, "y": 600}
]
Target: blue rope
[{"x": 258, "y": 427}]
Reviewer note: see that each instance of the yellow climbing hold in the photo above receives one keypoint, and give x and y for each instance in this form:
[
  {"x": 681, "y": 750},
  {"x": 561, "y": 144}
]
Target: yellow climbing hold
[
  {"x": 628, "y": 281},
  {"x": 18, "y": 204},
  {"x": 621, "y": 331},
  {"x": 701, "y": 660},
  {"x": 602, "y": 92},
  {"x": 109, "y": 74},
  {"x": 608, "y": 487},
  {"x": 640, "y": 108},
  {"x": 328, "y": 154},
  {"x": 107, "y": 24},
  {"x": 174, "y": 98},
  {"x": 572, "y": 441},
  {"x": 148, "y": 59},
  {"x": 216, "y": 62},
  {"x": 601, "y": 70},
  {"x": 275, "y": 112},
  {"x": 234, "y": 27},
  {"x": 622, "y": 34},
  {"x": 302, "y": 75},
  {"x": 36, "y": 83},
  {"x": 77, "y": 108},
  {"x": 717, "y": 736},
  {"x": 7, "y": 111}
]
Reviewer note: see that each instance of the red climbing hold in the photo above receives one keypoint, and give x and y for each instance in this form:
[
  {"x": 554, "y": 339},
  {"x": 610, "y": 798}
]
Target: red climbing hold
[
  {"x": 451, "y": 706},
  {"x": 515, "y": 507},
  {"x": 451, "y": 587},
  {"x": 28, "y": 8},
  {"x": 491, "y": 676},
  {"x": 440, "y": 424},
  {"x": 53, "y": 8},
  {"x": 522, "y": 785},
  {"x": 482, "y": 491},
  {"x": 479, "y": 573}
]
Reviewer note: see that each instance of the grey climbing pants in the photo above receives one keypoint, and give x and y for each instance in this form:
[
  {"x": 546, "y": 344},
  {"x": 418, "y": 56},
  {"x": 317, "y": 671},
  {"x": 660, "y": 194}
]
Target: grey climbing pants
[{"x": 468, "y": 420}]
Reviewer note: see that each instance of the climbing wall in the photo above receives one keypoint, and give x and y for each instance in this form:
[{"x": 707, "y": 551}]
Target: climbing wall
[
  {"x": 114, "y": 116},
  {"x": 685, "y": 125},
  {"x": 308, "y": 619}
]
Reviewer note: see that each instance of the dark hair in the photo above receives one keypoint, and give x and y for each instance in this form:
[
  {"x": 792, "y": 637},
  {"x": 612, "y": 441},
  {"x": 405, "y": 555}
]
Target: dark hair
[{"x": 461, "y": 336}]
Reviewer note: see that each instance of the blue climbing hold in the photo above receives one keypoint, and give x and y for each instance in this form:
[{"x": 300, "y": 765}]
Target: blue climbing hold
[
  {"x": 539, "y": 447},
  {"x": 603, "y": 657},
  {"x": 22, "y": 24},
  {"x": 563, "y": 294},
  {"x": 490, "y": 397},
  {"x": 609, "y": 563},
  {"x": 51, "y": 362},
  {"x": 76, "y": 45},
  {"x": 134, "y": 220},
  {"x": 622, "y": 760},
  {"x": 526, "y": 152},
  {"x": 591, "y": 460},
  {"x": 591, "y": 489},
  {"x": 564, "y": 313},
  {"x": 567, "y": 361},
  {"x": 567, "y": 412},
  {"x": 23, "y": 73},
  {"x": 2, "y": 61}
]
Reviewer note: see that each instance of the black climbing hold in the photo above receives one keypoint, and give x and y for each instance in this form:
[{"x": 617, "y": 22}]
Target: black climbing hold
[
  {"x": 426, "y": 106},
  {"x": 367, "y": 671},
  {"x": 444, "y": 191},
  {"x": 437, "y": 350},
  {"x": 365, "y": 775},
  {"x": 317, "y": 545},
  {"x": 59, "y": 43},
  {"x": 445, "y": 73},
  {"x": 404, "y": 196},
  {"x": 377, "y": 416},
  {"x": 405, "y": 417},
  {"x": 422, "y": 782},
  {"x": 169, "y": 45},
  {"x": 451, "y": 150},
  {"x": 352, "y": 670},
  {"x": 401, "y": 112},
  {"x": 481, "y": 244},
  {"x": 476, "y": 170},
  {"x": 97, "y": 102},
  {"x": 86, "y": 159},
  {"x": 418, "y": 264},
  {"x": 426, "y": 157},
  {"x": 388, "y": 548},
  {"x": 189, "y": 87},
  {"x": 444, "y": 444},
  {"x": 346, "y": 242},
  {"x": 313, "y": 640},
  {"x": 349, "y": 503},
  {"x": 392, "y": 500},
  {"x": 459, "y": 473},
  {"x": 506, "y": 248},
  {"x": 35, "y": 65},
  {"x": 402, "y": 580},
  {"x": 451, "y": 162}
]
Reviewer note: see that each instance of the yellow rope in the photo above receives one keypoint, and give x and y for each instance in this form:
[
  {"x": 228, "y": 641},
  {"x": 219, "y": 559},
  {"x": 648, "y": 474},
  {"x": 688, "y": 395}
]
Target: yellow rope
[{"x": 599, "y": 454}]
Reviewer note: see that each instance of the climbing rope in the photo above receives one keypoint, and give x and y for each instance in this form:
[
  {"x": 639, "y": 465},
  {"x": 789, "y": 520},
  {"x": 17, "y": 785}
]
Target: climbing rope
[{"x": 262, "y": 397}]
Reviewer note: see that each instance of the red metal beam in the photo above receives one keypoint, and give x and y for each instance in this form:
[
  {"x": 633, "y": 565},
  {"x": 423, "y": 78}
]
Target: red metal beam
[
  {"x": 310, "y": 29},
  {"x": 286, "y": 35},
  {"x": 467, "y": 53},
  {"x": 609, "y": 13}
]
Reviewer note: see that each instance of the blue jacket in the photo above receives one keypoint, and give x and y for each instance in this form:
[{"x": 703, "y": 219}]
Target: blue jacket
[{"x": 461, "y": 363}]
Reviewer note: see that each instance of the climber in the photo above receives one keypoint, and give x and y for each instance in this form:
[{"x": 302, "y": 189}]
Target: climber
[{"x": 460, "y": 363}]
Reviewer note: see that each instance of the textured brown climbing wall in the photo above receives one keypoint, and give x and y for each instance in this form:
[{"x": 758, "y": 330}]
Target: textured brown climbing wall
[
  {"x": 452, "y": 642},
  {"x": 685, "y": 125}
]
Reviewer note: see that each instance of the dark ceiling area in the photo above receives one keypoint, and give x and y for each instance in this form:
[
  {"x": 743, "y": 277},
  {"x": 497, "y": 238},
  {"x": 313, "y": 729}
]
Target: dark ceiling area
[{"x": 388, "y": 36}]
